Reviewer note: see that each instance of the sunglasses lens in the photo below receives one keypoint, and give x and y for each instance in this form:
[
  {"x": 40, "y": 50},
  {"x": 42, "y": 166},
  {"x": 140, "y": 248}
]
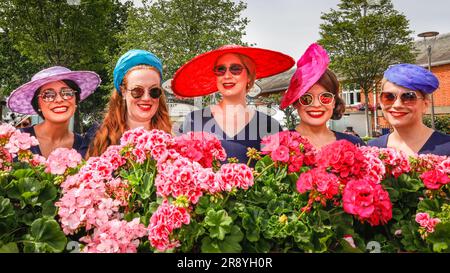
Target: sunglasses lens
[
  {"x": 220, "y": 70},
  {"x": 387, "y": 98},
  {"x": 155, "y": 93},
  {"x": 137, "y": 92},
  {"x": 408, "y": 98},
  {"x": 236, "y": 69},
  {"x": 48, "y": 95},
  {"x": 306, "y": 99},
  {"x": 326, "y": 98},
  {"x": 67, "y": 93}
]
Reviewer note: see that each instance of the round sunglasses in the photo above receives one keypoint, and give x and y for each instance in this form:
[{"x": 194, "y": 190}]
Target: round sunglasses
[
  {"x": 325, "y": 98},
  {"x": 407, "y": 98},
  {"x": 235, "y": 69},
  {"x": 138, "y": 92},
  {"x": 49, "y": 95}
]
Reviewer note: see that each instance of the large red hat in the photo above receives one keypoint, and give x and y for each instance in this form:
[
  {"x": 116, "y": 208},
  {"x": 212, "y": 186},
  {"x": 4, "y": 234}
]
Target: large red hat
[
  {"x": 311, "y": 66},
  {"x": 196, "y": 77}
]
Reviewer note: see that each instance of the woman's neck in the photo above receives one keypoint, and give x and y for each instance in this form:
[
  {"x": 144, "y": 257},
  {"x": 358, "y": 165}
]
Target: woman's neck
[
  {"x": 53, "y": 131},
  {"x": 132, "y": 124},
  {"x": 412, "y": 133}
]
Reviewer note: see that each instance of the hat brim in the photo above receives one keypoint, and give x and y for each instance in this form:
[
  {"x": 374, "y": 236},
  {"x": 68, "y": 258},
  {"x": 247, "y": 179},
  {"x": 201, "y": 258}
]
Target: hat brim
[
  {"x": 20, "y": 99},
  {"x": 196, "y": 77}
]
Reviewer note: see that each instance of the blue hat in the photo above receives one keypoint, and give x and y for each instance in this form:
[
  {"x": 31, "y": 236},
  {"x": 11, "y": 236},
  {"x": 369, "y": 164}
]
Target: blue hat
[
  {"x": 413, "y": 77},
  {"x": 131, "y": 59}
]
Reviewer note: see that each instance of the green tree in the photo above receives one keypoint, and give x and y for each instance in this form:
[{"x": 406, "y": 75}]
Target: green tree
[
  {"x": 54, "y": 32},
  {"x": 178, "y": 30},
  {"x": 364, "y": 37}
]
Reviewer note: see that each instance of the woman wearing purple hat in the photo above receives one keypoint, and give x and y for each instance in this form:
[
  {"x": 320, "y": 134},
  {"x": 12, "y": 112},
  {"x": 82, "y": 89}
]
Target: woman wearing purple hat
[
  {"x": 404, "y": 99},
  {"x": 53, "y": 94},
  {"x": 314, "y": 92}
]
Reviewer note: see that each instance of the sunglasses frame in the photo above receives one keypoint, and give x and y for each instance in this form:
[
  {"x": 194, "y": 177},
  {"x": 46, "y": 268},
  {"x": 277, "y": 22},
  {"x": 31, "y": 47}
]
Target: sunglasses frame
[
  {"x": 314, "y": 97},
  {"x": 73, "y": 93},
  {"x": 235, "y": 73},
  {"x": 407, "y": 102},
  {"x": 148, "y": 90}
]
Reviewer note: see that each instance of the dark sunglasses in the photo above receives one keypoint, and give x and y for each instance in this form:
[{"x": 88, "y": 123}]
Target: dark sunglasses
[
  {"x": 407, "y": 98},
  {"x": 138, "y": 92},
  {"x": 235, "y": 69},
  {"x": 49, "y": 95},
  {"x": 325, "y": 98}
]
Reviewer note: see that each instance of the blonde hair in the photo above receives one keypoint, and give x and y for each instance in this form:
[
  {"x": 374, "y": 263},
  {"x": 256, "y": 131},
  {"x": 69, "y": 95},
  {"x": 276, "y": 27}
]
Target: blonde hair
[{"x": 115, "y": 120}]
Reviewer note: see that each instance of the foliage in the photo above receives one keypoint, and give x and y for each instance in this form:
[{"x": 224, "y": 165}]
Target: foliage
[
  {"x": 441, "y": 123},
  {"x": 363, "y": 38}
]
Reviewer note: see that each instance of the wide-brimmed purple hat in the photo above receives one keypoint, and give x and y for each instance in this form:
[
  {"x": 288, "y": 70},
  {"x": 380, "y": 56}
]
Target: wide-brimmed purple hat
[{"x": 20, "y": 99}]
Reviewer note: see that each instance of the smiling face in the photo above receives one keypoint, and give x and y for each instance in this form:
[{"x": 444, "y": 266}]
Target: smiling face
[
  {"x": 315, "y": 114},
  {"x": 230, "y": 85},
  {"x": 141, "y": 110},
  {"x": 59, "y": 110},
  {"x": 399, "y": 114}
]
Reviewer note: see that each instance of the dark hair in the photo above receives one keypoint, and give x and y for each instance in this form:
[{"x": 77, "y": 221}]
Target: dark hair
[{"x": 69, "y": 83}]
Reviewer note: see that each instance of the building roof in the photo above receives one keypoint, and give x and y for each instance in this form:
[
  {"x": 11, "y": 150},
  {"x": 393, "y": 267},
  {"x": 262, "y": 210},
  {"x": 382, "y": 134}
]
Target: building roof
[
  {"x": 440, "y": 52},
  {"x": 279, "y": 82}
]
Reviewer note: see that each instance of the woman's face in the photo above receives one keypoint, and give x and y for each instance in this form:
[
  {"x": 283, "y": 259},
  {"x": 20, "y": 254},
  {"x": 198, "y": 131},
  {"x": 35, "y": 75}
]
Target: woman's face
[
  {"x": 141, "y": 109},
  {"x": 57, "y": 102},
  {"x": 317, "y": 113},
  {"x": 231, "y": 82},
  {"x": 401, "y": 106}
]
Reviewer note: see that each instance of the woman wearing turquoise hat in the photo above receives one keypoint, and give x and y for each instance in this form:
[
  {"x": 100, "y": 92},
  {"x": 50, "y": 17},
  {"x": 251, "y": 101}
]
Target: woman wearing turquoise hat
[
  {"x": 137, "y": 101},
  {"x": 404, "y": 99}
]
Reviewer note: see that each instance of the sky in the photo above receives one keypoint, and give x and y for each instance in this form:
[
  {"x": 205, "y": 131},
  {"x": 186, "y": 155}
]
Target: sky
[{"x": 290, "y": 26}]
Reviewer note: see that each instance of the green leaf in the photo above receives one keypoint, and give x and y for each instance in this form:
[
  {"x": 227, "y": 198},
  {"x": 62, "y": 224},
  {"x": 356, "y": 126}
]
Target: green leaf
[
  {"x": 49, "y": 193},
  {"x": 440, "y": 238},
  {"x": 49, "y": 209},
  {"x": 429, "y": 205},
  {"x": 9, "y": 248},
  {"x": 218, "y": 223},
  {"x": 145, "y": 185},
  {"x": 22, "y": 173},
  {"x": 230, "y": 244},
  {"x": 6, "y": 208},
  {"x": 26, "y": 190},
  {"x": 45, "y": 236}
]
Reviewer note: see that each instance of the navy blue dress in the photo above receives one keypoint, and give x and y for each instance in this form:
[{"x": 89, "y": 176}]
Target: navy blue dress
[
  {"x": 340, "y": 136},
  {"x": 250, "y": 136},
  {"x": 438, "y": 144},
  {"x": 79, "y": 143}
]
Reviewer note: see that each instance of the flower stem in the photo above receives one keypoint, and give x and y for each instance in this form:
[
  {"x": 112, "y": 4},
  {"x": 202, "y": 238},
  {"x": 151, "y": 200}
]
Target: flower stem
[{"x": 264, "y": 170}]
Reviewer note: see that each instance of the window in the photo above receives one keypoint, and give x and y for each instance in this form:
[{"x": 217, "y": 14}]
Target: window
[{"x": 351, "y": 94}]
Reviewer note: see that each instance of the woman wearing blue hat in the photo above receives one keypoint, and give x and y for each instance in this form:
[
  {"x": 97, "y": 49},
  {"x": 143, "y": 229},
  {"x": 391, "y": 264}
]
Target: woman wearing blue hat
[
  {"x": 137, "y": 101},
  {"x": 404, "y": 99}
]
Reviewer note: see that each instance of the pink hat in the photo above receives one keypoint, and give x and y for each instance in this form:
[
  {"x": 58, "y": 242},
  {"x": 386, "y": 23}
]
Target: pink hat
[
  {"x": 20, "y": 99},
  {"x": 311, "y": 66},
  {"x": 196, "y": 77}
]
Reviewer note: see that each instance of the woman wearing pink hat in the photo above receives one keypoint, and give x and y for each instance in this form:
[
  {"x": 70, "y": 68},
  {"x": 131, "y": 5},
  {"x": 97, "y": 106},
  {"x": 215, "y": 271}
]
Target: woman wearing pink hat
[
  {"x": 53, "y": 94},
  {"x": 231, "y": 70},
  {"x": 314, "y": 92}
]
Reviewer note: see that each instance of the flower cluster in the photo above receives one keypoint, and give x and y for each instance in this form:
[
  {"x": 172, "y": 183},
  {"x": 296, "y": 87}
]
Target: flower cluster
[
  {"x": 15, "y": 143},
  {"x": 167, "y": 218},
  {"x": 97, "y": 197},
  {"x": 344, "y": 159},
  {"x": 115, "y": 237},
  {"x": 322, "y": 185},
  {"x": 61, "y": 159},
  {"x": 289, "y": 148},
  {"x": 368, "y": 201},
  {"x": 396, "y": 162},
  {"x": 426, "y": 223},
  {"x": 200, "y": 147}
]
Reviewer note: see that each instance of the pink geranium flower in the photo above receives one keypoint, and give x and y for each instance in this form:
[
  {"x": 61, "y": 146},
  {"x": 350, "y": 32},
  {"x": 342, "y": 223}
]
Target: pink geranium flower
[
  {"x": 435, "y": 179},
  {"x": 61, "y": 159}
]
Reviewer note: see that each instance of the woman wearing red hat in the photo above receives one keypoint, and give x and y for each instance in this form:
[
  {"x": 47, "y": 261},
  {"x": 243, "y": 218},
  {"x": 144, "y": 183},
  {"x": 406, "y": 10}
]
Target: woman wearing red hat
[
  {"x": 232, "y": 71},
  {"x": 54, "y": 94},
  {"x": 404, "y": 99},
  {"x": 314, "y": 92}
]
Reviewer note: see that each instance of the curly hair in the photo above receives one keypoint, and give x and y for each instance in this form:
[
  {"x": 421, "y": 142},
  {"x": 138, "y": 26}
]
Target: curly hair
[{"x": 115, "y": 120}]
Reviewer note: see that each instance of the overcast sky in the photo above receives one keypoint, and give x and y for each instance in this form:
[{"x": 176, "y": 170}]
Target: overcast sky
[{"x": 290, "y": 26}]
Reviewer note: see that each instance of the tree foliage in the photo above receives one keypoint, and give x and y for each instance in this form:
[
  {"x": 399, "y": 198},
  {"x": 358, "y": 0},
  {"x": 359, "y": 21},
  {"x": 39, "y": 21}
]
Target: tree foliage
[
  {"x": 364, "y": 37},
  {"x": 53, "y": 32},
  {"x": 178, "y": 30}
]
